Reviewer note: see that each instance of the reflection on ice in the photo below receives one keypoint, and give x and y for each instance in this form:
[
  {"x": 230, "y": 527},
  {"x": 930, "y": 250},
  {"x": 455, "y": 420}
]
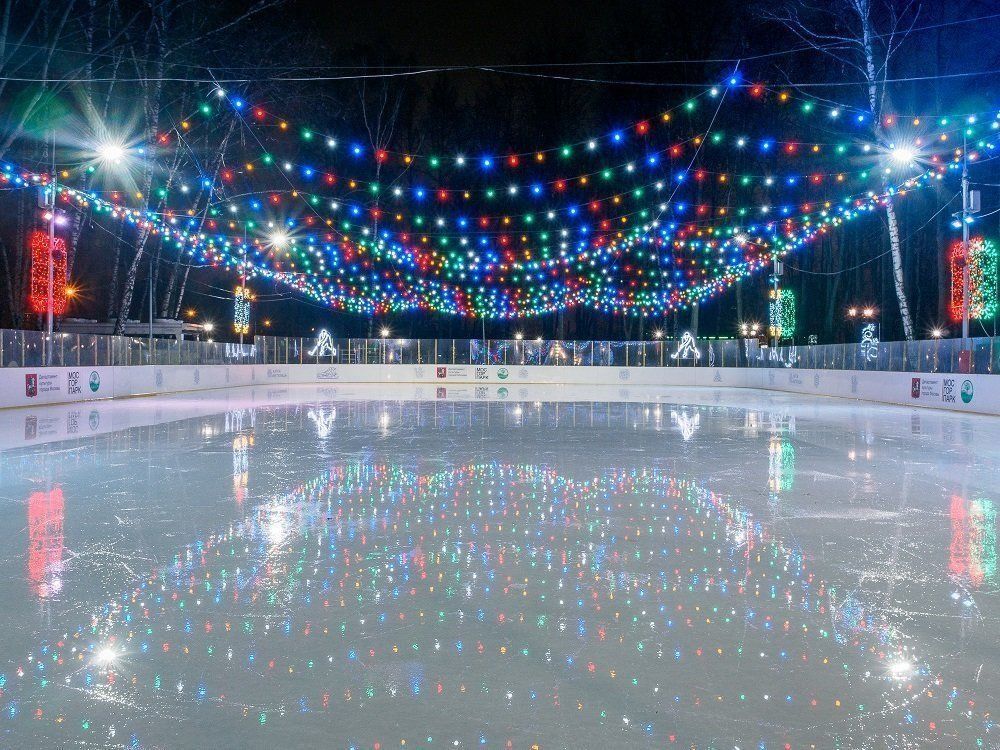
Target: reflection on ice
[
  {"x": 586, "y": 594},
  {"x": 46, "y": 510}
]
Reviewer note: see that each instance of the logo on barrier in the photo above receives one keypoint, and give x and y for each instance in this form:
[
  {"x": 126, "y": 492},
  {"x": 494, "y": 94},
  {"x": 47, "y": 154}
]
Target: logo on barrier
[
  {"x": 624, "y": 375},
  {"x": 73, "y": 387},
  {"x": 949, "y": 392},
  {"x": 418, "y": 372},
  {"x": 915, "y": 388},
  {"x": 31, "y": 385},
  {"x": 329, "y": 373},
  {"x": 503, "y": 373},
  {"x": 95, "y": 381},
  {"x": 482, "y": 373},
  {"x": 442, "y": 372},
  {"x": 967, "y": 391}
]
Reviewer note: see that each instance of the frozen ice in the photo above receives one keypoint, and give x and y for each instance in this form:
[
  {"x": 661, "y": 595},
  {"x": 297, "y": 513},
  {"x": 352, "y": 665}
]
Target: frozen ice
[{"x": 376, "y": 567}]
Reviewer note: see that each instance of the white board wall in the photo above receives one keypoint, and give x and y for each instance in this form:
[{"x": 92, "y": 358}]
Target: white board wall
[{"x": 61, "y": 385}]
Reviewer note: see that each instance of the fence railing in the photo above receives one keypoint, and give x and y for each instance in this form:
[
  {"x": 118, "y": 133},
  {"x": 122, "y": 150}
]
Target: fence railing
[{"x": 33, "y": 349}]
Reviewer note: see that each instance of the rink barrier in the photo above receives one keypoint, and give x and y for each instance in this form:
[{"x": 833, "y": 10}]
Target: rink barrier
[
  {"x": 979, "y": 356},
  {"x": 61, "y": 385}
]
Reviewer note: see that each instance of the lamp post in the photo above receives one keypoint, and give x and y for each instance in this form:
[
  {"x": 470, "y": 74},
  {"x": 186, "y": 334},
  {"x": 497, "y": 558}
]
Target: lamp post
[
  {"x": 970, "y": 207},
  {"x": 965, "y": 242},
  {"x": 50, "y": 302},
  {"x": 152, "y": 291}
]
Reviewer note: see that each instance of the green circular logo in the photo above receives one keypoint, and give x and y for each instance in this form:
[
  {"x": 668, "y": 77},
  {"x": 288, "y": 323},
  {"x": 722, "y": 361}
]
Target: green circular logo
[
  {"x": 95, "y": 381},
  {"x": 502, "y": 373},
  {"x": 967, "y": 391}
]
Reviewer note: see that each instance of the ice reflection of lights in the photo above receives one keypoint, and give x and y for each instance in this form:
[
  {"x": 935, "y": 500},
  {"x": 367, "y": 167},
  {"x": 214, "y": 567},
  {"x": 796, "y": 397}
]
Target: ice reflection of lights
[
  {"x": 46, "y": 512},
  {"x": 901, "y": 670},
  {"x": 241, "y": 465},
  {"x": 276, "y": 524},
  {"x": 324, "y": 419},
  {"x": 106, "y": 657},
  {"x": 781, "y": 464},
  {"x": 973, "y": 549},
  {"x": 687, "y": 424},
  {"x": 360, "y": 550}
]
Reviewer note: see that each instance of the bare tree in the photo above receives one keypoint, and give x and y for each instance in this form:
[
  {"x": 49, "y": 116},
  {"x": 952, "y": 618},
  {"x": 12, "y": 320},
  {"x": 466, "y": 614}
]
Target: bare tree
[
  {"x": 152, "y": 56},
  {"x": 379, "y": 115},
  {"x": 863, "y": 37}
]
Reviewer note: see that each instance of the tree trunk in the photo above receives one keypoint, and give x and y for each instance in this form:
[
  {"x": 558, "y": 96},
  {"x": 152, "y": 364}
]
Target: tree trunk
[
  {"x": 115, "y": 273},
  {"x": 180, "y": 294},
  {"x": 897, "y": 269},
  {"x": 129, "y": 286}
]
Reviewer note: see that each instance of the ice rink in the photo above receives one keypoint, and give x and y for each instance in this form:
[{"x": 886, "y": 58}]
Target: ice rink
[{"x": 561, "y": 567}]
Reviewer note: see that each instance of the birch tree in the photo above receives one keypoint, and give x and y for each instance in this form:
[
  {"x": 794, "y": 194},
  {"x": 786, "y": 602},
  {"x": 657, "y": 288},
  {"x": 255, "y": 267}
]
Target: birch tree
[{"x": 863, "y": 37}]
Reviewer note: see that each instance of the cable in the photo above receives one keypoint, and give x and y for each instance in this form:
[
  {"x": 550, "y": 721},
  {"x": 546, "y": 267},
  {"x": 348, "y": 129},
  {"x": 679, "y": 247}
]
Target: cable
[
  {"x": 676, "y": 84},
  {"x": 486, "y": 69},
  {"x": 585, "y": 64}
]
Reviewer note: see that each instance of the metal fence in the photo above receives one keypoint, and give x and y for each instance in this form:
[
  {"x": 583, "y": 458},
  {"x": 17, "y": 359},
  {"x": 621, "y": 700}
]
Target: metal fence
[{"x": 33, "y": 349}]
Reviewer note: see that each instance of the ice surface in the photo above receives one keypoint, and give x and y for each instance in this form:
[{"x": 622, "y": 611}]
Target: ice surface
[{"x": 377, "y": 567}]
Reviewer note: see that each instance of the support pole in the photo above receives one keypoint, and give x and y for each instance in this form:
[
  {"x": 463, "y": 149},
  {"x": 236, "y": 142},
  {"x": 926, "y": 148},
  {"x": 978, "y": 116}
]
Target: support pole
[
  {"x": 965, "y": 244},
  {"x": 152, "y": 289},
  {"x": 50, "y": 301},
  {"x": 774, "y": 279}
]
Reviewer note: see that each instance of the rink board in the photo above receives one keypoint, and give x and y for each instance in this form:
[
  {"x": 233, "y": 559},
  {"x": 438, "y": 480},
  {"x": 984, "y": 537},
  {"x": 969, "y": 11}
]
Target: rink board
[{"x": 61, "y": 385}]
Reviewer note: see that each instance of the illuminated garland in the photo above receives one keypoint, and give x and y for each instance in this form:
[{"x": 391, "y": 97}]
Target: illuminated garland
[
  {"x": 781, "y": 313},
  {"x": 982, "y": 262},
  {"x": 261, "y": 117},
  {"x": 38, "y": 295},
  {"x": 242, "y": 297},
  {"x": 647, "y": 270}
]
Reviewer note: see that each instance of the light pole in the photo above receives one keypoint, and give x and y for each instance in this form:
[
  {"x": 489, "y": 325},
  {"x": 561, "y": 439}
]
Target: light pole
[
  {"x": 152, "y": 290},
  {"x": 965, "y": 242},
  {"x": 50, "y": 302},
  {"x": 243, "y": 284}
]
